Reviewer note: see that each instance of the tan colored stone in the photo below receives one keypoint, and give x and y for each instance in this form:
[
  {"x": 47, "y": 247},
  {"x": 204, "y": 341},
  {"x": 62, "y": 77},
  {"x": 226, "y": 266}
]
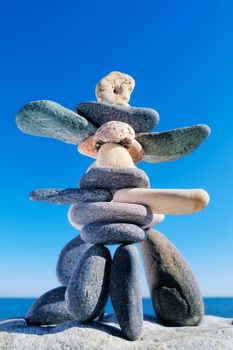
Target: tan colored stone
[
  {"x": 157, "y": 219},
  {"x": 136, "y": 151},
  {"x": 87, "y": 147},
  {"x": 112, "y": 155}
]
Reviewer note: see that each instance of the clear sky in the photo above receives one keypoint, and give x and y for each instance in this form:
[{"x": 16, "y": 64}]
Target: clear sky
[{"x": 180, "y": 54}]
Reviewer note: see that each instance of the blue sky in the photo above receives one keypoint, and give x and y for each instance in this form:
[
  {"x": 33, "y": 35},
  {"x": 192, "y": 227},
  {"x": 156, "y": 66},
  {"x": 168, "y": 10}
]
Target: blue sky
[{"x": 180, "y": 54}]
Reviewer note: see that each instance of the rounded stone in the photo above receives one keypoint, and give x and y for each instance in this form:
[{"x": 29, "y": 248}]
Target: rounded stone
[
  {"x": 125, "y": 291},
  {"x": 88, "y": 287},
  {"x": 112, "y": 155},
  {"x": 112, "y": 233},
  {"x": 136, "y": 151}
]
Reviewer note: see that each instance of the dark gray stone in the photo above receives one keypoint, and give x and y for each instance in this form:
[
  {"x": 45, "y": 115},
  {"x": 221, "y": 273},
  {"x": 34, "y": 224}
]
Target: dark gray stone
[
  {"x": 174, "y": 290},
  {"x": 69, "y": 257},
  {"x": 114, "y": 178},
  {"x": 125, "y": 291},
  {"x": 88, "y": 287},
  {"x": 70, "y": 195},
  {"x": 141, "y": 119},
  {"x": 49, "y": 119},
  {"x": 111, "y": 212},
  {"x": 112, "y": 233},
  {"x": 50, "y": 308},
  {"x": 172, "y": 144}
]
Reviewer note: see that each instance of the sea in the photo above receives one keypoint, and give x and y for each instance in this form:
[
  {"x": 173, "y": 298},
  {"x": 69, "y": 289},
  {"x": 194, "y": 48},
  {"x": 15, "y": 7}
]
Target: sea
[{"x": 18, "y": 307}]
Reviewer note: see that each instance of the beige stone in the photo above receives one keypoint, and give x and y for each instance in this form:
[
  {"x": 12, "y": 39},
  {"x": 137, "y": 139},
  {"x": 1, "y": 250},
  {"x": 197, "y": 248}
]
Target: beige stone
[
  {"x": 136, "y": 151},
  {"x": 87, "y": 147},
  {"x": 157, "y": 219},
  {"x": 112, "y": 155}
]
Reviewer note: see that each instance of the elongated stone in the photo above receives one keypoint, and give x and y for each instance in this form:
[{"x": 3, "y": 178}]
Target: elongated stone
[
  {"x": 70, "y": 195},
  {"x": 174, "y": 290},
  {"x": 112, "y": 233},
  {"x": 157, "y": 219},
  {"x": 49, "y": 119},
  {"x": 141, "y": 119},
  {"x": 69, "y": 257},
  {"x": 88, "y": 287},
  {"x": 114, "y": 178},
  {"x": 109, "y": 212},
  {"x": 172, "y": 144},
  {"x": 125, "y": 291},
  {"x": 112, "y": 155}
]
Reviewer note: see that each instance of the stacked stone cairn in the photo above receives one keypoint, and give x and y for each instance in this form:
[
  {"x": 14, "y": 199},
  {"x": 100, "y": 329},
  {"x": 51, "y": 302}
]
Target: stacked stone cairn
[{"x": 114, "y": 204}]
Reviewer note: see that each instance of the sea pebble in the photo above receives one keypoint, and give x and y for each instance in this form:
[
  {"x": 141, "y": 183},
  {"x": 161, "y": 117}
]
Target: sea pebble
[
  {"x": 136, "y": 151},
  {"x": 157, "y": 219},
  {"x": 125, "y": 291},
  {"x": 112, "y": 155},
  {"x": 88, "y": 287},
  {"x": 174, "y": 290},
  {"x": 141, "y": 119},
  {"x": 49, "y": 119},
  {"x": 112, "y": 233}
]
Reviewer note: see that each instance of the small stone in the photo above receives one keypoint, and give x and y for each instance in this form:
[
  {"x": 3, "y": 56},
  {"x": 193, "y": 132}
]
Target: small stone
[
  {"x": 125, "y": 291},
  {"x": 136, "y": 151},
  {"x": 172, "y": 144},
  {"x": 108, "y": 212},
  {"x": 112, "y": 233},
  {"x": 69, "y": 257},
  {"x": 49, "y": 119},
  {"x": 157, "y": 219},
  {"x": 70, "y": 195},
  {"x": 112, "y": 155},
  {"x": 50, "y": 308},
  {"x": 11, "y": 323},
  {"x": 141, "y": 119},
  {"x": 88, "y": 287},
  {"x": 174, "y": 290},
  {"x": 114, "y": 178}
]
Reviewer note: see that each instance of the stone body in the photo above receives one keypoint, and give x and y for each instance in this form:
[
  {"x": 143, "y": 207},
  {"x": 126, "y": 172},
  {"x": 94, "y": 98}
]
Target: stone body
[{"x": 112, "y": 155}]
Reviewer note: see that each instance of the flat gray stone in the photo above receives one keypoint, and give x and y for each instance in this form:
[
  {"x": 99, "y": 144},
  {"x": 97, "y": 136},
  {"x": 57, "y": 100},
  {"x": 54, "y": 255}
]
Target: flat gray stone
[
  {"x": 141, "y": 119},
  {"x": 109, "y": 212},
  {"x": 70, "y": 195},
  {"x": 175, "y": 293},
  {"x": 69, "y": 257},
  {"x": 112, "y": 233},
  {"x": 87, "y": 290},
  {"x": 49, "y": 119},
  {"x": 125, "y": 291},
  {"x": 114, "y": 178},
  {"x": 50, "y": 308},
  {"x": 172, "y": 144},
  {"x": 13, "y": 323}
]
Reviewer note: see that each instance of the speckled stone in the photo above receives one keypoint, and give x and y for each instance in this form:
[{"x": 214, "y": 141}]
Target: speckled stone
[
  {"x": 108, "y": 212},
  {"x": 112, "y": 233},
  {"x": 70, "y": 195},
  {"x": 114, "y": 178},
  {"x": 125, "y": 291},
  {"x": 88, "y": 287},
  {"x": 50, "y": 308},
  {"x": 49, "y": 119},
  {"x": 69, "y": 257},
  {"x": 141, "y": 119},
  {"x": 174, "y": 290},
  {"x": 172, "y": 144}
]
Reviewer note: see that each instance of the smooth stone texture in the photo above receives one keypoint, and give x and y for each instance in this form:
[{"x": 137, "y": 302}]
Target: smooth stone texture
[
  {"x": 176, "y": 202},
  {"x": 112, "y": 155},
  {"x": 157, "y": 219},
  {"x": 125, "y": 291},
  {"x": 70, "y": 195},
  {"x": 114, "y": 178},
  {"x": 172, "y": 144},
  {"x": 50, "y": 308},
  {"x": 136, "y": 152},
  {"x": 175, "y": 293},
  {"x": 88, "y": 287},
  {"x": 72, "y": 223},
  {"x": 112, "y": 233},
  {"x": 141, "y": 119},
  {"x": 69, "y": 257},
  {"x": 108, "y": 212},
  {"x": 49, "y": 119}
]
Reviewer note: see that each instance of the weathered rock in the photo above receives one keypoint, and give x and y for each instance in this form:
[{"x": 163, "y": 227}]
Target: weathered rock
[
  {"x": 108, "y": 212},
  {"x": 112, "y": 155},
  {"x": 112, "y": 233},
  {"x": 125, "y": 291},
  {"x": 88, "y": 287},
  {"x": 172, "y": 144},
  {"x": 136, "y": 151},
  {"x": 69, "y": 257},
  {"x": 114, "y": 178},
  {"x": 174, "y": 290},
  {"x": 49, "y": 119},
  {"x": 141, "y": 119},
  {"x": 70, "y": 195},
  {"x": 50, "y": 308},
  {"x": 157, "y": 219}
]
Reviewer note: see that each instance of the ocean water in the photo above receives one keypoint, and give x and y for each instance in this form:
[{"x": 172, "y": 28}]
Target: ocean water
[{"x": 13, "y": 307}]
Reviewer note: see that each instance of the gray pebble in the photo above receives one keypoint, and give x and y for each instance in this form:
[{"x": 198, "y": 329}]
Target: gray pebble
[{"x": 88, "y": 287}]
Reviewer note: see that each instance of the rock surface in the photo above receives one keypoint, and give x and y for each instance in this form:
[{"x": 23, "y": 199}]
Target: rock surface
[{"x": 112, "y": 155}]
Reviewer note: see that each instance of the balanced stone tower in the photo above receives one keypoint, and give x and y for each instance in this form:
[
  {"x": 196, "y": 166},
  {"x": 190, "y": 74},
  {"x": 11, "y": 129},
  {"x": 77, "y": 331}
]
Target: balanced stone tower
[{"x": 114, "y": 204}]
